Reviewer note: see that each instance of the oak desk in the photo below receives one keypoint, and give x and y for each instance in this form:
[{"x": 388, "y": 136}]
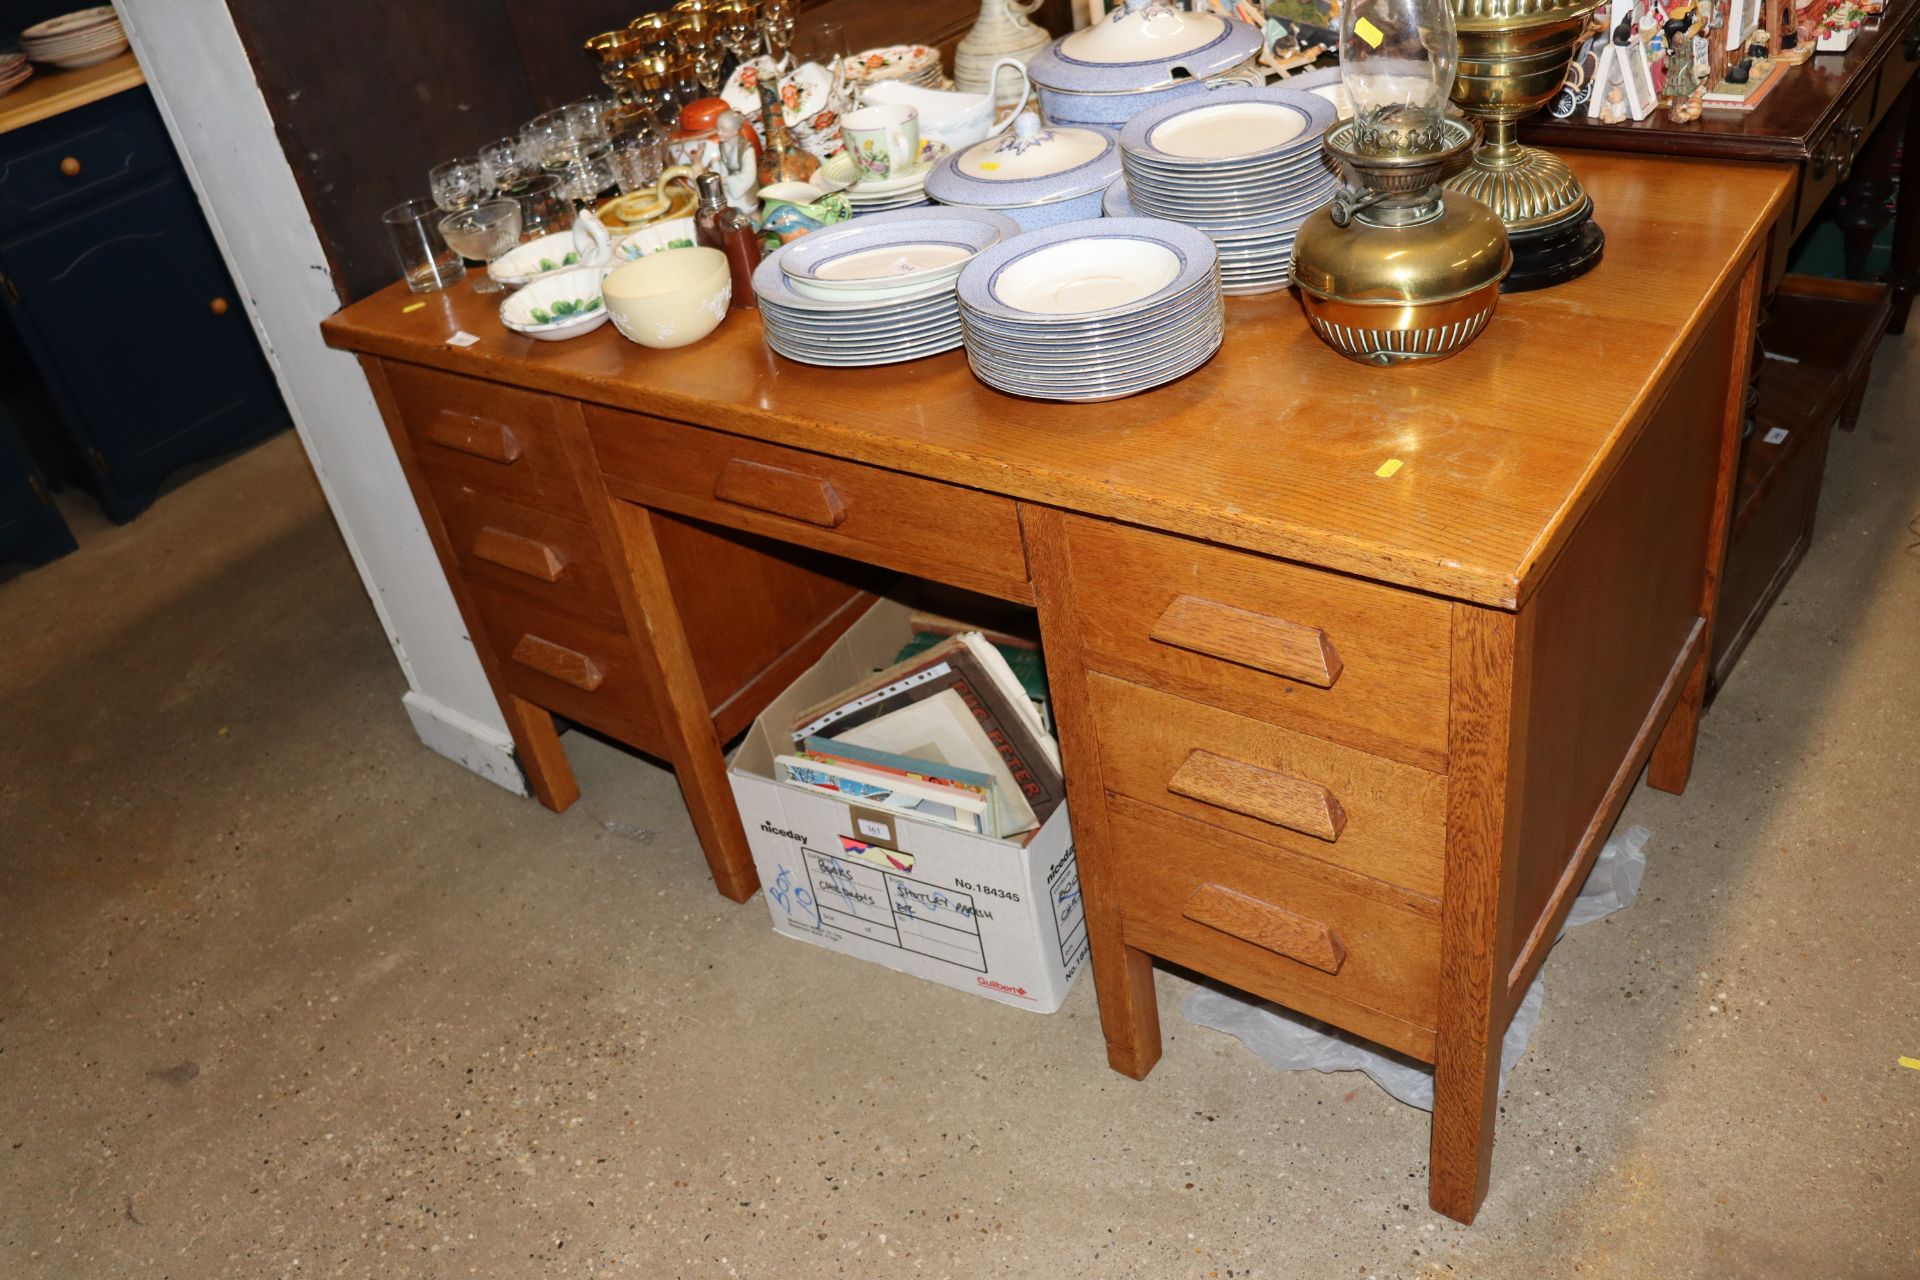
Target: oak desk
[{"x": 1343, "y": 738}]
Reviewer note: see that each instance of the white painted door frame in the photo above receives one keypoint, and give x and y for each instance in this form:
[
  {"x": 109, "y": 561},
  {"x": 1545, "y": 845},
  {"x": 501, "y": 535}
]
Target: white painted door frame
[{"x": 200, "y": 75}]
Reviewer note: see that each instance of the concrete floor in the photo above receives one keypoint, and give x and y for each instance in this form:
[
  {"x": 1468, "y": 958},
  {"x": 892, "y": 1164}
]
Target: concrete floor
[{"x": 283, "y": 994}]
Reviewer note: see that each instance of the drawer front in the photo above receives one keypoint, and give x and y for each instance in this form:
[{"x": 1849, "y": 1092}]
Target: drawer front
[
  {"x": 554, "y": 561},
  {"x": 51, "y": 167},
  {"x": 568, "y": 665},
  {"x": 1276, "y": 925},
  {"x": 940, "y": 531},
  {"x": 486, "y": 440},
  {"x": 1833, "y": 153},
  {"x": 1335, "y": 657},
  {"x": 1318, "y": 799}
]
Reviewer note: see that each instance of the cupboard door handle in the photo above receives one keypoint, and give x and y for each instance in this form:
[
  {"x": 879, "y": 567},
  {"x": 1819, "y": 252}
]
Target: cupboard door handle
[
  {"x": 778, "y": 491},
  {"x": 1283, "y": 932},
  {"x": 1247, "y": 789},
  {"x": 218, "y": 306},
  {"x": 70, "y": 166},
  {"x": 1249, "y": 639},
  {"x": 563, "y": 664},
  {"x": 493, "y": 441},
  {"x": 522, "y": 555}
]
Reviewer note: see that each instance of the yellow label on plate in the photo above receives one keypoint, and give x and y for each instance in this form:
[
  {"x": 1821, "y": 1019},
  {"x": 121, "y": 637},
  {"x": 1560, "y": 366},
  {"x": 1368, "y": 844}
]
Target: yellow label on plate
[
  {"x": 989, "y": 164},
  {"x": 1387, "y": 468},
  {"x": 1368, "y": 32}
]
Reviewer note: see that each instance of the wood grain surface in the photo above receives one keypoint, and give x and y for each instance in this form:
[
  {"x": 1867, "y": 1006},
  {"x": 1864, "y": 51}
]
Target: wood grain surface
[
  {"x": 51, "y": 91},
  {"x": 1274, "y": 446}
]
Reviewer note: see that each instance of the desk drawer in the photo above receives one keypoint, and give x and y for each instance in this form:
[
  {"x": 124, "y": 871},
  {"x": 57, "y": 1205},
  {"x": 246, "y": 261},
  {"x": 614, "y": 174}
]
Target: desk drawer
[
  {"x": 568, "y": 665},
  {"x": 552, "y": 560},
  {"x": 940, "y": 531},
  {"x": 482, "y": 439},
  {"x": 52, "y": 166},
  {"x": 1833, "y": 153},
  {"x": 1279, "y": 926},
  {"x": 1335, "y": 657},
  {"x": 1314, "y": 798}
]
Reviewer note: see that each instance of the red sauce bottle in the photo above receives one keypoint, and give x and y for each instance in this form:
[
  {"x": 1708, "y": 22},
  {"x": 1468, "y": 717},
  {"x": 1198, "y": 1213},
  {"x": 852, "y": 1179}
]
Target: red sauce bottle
[{"x": 718, "y": 225}]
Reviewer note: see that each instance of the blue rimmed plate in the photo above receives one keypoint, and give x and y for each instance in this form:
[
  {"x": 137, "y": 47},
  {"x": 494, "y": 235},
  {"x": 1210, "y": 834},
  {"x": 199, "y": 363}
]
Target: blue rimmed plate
[
  {"x": 1086, "y": 270},
  {"x": 1230, "y": 127}
]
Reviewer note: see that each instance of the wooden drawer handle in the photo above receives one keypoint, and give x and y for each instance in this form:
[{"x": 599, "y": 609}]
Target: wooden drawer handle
[
  {"x": 1249, "y": 639},
  {"x": 70, "y": 167},
  {"x": 563, "y": 664},
  {"x": 1293, "y": 803},
  {"x": 1279, "y": 930},
  {"x": 493, "y": 441},
  {"x": 218, "y": 306},
  {"x": 522, "y": 555},
  {"x": 793, "y": 494}
]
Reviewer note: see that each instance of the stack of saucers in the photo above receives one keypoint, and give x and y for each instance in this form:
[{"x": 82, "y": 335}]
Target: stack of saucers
[
  {"x": 876, "y": 291},
  {"x": 1094, "y": 309},
  {"x": 1242, "y": 165},
  {"x": 868, "y": 194},
  {"x": 77, "y": 39},
  {"x": 14, "y": 70},
  {"x": 914, "y": 64}
]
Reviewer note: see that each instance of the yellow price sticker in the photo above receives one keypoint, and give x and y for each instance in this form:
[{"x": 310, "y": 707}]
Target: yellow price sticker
[
  {"x": 1368, "y": 32},
  {"x": 989, "y": 164},
  {"x": 1387, "y": 468},
  {"x": 411, "y": 307},
  {"x": 1910, "y": 1063}
]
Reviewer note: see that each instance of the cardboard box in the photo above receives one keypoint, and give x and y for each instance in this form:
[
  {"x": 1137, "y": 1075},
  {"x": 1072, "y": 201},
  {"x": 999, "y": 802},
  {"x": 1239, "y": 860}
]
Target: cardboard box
[{"x": 969, "y": 912}]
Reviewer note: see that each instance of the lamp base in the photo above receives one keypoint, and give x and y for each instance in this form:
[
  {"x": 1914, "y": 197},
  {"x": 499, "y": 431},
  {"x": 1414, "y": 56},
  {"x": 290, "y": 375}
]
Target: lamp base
[{"x": 1554, "y": 254}]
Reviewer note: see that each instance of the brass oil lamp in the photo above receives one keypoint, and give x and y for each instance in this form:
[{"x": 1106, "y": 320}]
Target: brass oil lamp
[{"x": 1397, "y": 268}]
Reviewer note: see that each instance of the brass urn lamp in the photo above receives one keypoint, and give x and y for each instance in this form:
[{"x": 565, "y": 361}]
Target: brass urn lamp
[
  {"x": 1513, "y": 59},
  {"x": 1398, "y": 269}
]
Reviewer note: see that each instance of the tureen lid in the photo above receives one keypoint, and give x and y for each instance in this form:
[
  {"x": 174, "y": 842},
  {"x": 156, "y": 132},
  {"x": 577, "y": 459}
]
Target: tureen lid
[
  {"x": 1144, "y": 44},
  {"x": 1030, "y": 164}
]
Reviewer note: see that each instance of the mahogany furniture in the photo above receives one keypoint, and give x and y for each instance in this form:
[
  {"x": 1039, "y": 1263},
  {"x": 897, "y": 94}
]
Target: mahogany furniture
[
  {"x": 1344, "y": 733},
  {"x": 1838, "y": 119}
]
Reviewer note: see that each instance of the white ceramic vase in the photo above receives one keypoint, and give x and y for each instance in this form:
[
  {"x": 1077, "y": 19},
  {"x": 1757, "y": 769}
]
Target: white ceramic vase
[{"x": 1002, "y": 32}]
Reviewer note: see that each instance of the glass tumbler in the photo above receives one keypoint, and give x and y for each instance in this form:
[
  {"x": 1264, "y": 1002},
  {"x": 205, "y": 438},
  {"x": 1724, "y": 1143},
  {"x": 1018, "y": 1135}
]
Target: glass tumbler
[
  {"x": 425, "y": 260},
  {"x": 544, "y": 207}
]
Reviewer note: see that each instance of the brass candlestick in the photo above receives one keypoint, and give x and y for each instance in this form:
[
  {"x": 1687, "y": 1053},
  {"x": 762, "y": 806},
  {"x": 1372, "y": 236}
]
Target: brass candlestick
[{"x": 1513, "y": 58}]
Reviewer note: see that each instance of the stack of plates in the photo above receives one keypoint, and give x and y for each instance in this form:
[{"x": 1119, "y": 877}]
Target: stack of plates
[
  {"x": 915, "y": 64},
  {"x": 881, "y": 195},
  {"x": 14, "y": 70},
  {"x": 1243, "y": 165},
  {"x": 77, "y": 39},
  {"x": 1092, "y": 310},
  {"x": 876, "y": 291}
]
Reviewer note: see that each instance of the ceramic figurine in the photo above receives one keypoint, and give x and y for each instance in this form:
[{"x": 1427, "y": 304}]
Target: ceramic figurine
[
  {"x": 1002, "y": 32},
  {"x": 1684, "y": 88},
  {"x": 737, "y": 161},
  {"x": 782, "y": 159}
]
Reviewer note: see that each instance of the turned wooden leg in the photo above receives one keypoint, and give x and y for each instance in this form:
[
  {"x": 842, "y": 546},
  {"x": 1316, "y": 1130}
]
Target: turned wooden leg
[
  {"x": 1122, "y": 976},
  {"x": 537, "y": 747},
  {"x": 693, "y": 747}
]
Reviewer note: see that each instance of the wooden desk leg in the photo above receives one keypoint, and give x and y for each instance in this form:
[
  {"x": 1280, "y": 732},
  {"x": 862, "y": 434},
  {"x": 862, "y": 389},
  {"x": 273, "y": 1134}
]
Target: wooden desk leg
[
  {"x": 694, "y": 747},
  {"x": 541, "y": 757},
  {"x": 1671, "y": 764},
  {"x": 1486, "y": 750},
  {"x": 1122, "y": 976}
]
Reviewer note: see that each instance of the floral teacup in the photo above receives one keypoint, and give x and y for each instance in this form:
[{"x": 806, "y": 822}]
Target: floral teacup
[{"x": 884, "y": 139}]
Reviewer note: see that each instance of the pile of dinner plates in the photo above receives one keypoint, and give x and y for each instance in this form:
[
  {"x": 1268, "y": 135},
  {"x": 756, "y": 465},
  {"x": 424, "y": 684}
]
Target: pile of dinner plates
[
  {"x": 14, "y": 70},
  {"x": 77, "y": 39},
  {"x": 1243, "y": 165},
  {"x": 876, "y": 291},
  {"x": 1094, "y": 309}
]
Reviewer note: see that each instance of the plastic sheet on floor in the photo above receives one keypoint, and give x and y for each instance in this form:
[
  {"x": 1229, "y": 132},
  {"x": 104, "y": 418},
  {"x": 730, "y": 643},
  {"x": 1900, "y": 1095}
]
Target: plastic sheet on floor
[{"x": 1291, "y": 1041}]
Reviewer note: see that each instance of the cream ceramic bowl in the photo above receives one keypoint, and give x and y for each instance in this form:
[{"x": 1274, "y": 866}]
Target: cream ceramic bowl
[{"x": 669, "y": 299}]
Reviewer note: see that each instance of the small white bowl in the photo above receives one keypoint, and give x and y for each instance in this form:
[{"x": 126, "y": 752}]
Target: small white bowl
[
  {"x": 570, "y": 301},
  {"x": 677, "y": 233},
  {"x": 670, "y": 299},
  {"x": 585, "y": 245}
]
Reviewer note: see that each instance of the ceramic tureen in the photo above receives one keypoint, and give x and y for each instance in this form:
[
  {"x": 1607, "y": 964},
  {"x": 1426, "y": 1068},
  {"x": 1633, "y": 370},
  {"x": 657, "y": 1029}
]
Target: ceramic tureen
[
  {"x": 1037, "y": 175},
  {"x": 1136, "y": 57}
]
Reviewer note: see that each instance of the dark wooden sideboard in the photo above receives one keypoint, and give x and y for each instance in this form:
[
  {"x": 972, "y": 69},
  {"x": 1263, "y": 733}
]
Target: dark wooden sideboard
[{"x": 1838, "y": 120}]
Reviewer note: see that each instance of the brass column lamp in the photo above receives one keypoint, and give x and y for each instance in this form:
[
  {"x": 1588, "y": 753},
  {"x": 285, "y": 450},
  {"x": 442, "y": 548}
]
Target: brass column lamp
[{"x": 1513, "y": 58}]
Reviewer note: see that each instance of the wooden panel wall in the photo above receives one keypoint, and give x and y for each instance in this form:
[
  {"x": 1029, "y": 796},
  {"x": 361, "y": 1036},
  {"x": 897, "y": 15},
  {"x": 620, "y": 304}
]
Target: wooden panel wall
[{"x": 367, "y": 97}]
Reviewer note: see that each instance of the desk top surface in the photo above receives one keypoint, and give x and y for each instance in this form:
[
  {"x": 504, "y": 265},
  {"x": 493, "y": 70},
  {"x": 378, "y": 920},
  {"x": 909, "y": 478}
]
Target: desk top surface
[
  {"x": 51, "y": 91},
  {"x": 1277, "y": 444}
]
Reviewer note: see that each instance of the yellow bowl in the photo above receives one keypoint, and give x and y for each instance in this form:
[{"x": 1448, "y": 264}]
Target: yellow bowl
[{"x": 669, "y": 299}]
